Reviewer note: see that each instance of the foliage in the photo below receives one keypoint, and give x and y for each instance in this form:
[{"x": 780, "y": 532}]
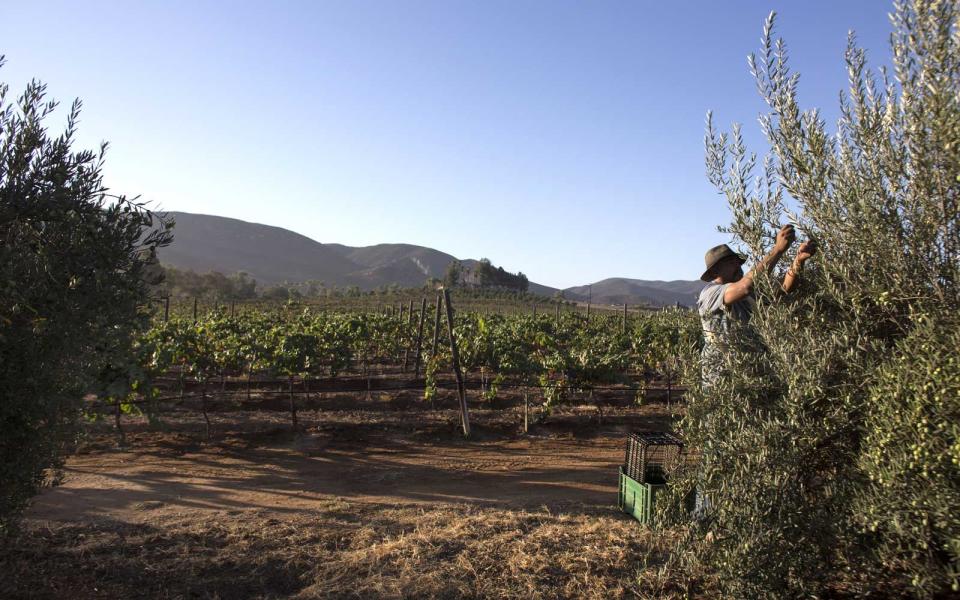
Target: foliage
[
  {"x": 828, "y": 449},
  {"x": 569, "y": 357},
  {"x": 486, "y": 275},
  {"x": 566, "y": 356},
  {"x": 911, "y": 456},
  {"x": 73, "y": 265},
  {"x": 184, "y": 283},
  {"x": 451, "y": 278}
]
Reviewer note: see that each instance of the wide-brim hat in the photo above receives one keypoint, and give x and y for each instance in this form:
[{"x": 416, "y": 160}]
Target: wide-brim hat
[{"x": 715, "y": 255}]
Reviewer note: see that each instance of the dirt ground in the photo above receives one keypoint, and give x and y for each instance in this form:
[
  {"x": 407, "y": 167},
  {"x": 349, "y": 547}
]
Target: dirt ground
[{"x": 371, "y": 499}]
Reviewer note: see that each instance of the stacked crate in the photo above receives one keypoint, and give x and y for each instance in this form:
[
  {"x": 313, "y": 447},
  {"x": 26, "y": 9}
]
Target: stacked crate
[{"x": 650, "y": 458}]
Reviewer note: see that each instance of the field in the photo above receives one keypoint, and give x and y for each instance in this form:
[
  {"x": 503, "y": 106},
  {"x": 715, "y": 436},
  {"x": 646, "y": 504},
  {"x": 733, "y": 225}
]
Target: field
[
  {"x": 335, "y": 477},
  {"x": 382, "y": 499}
]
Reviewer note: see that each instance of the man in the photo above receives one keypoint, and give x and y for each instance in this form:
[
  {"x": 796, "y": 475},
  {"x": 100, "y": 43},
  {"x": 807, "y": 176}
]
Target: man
[{"x": 727, "y": 301}]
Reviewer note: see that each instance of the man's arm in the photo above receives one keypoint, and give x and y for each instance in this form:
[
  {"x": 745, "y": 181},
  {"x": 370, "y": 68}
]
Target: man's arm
[
  {"x": 806, "y": 250},
  {"x": 741, "y": 289}
]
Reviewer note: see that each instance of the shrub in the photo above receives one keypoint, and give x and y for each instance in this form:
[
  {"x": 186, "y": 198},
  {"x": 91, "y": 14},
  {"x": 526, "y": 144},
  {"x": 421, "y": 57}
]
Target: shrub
[
  {"x": 73, "y": 262},
  {"x": 829, "y": 448}
]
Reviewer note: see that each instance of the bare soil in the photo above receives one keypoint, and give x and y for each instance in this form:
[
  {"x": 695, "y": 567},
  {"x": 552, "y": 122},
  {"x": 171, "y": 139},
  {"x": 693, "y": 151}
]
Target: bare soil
[{"x": 377, "y": 498}]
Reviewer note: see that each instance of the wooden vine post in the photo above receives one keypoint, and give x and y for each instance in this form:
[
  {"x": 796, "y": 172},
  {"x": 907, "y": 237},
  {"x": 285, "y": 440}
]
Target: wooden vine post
[
  {"x": 166, "y": 309},
  {"x": 293, "y": 404},
  {"x": 526, "y": 413},
  {"x": 436, "y": 327},
  {"x": 624, "y": 319},
  {"x": 423, "y": 314},
  {"x": 461, "y": 392},
  {"x": 249, "y": 375}
]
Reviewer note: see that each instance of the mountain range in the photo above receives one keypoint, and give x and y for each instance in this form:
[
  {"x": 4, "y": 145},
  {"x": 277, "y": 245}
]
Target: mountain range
[{"x": 273, "y": 255}]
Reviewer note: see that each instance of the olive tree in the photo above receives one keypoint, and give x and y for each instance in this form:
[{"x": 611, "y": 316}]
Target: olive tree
[
  {"x": 74, "y": 262},
  {"x": 829, "y": 451}
]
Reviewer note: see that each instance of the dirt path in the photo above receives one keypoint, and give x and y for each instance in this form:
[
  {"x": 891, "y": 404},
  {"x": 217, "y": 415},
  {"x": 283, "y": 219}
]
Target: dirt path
[
  {"x": 362, "y": 504},
  {"x": 298, "y": 476}
]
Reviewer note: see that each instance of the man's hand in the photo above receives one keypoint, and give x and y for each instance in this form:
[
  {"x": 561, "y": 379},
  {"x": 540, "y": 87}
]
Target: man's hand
[
  {"x": 806, "y": 250},
  {"x": 785, "y": 238},
  {"x": 741, "y": 289}
]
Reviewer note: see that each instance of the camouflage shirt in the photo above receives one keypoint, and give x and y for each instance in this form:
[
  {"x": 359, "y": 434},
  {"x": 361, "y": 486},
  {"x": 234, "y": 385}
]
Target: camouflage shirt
[{"x": 717, "y": 321}]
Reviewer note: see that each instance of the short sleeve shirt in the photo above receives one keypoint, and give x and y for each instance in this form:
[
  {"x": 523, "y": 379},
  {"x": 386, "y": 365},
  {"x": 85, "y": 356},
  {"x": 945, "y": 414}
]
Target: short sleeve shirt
[{"x": 718, "y": 320}]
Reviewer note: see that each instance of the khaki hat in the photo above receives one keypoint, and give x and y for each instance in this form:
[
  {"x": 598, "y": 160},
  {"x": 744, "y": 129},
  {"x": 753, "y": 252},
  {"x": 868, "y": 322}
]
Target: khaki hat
[{"x": 715, "y": 255}]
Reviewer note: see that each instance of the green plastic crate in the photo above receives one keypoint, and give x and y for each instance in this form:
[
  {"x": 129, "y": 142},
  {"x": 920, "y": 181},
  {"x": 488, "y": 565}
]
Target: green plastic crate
[{"x": 637, "y": 499}]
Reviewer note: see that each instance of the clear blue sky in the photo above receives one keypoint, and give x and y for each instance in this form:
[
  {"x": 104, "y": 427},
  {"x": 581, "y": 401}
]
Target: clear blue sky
[{"x": 564, "y": 139}]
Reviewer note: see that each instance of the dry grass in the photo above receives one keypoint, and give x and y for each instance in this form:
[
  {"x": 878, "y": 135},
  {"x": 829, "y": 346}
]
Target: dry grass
[
  {"x": 344, "y": 551},
  {"x": 154, "y": 520}
]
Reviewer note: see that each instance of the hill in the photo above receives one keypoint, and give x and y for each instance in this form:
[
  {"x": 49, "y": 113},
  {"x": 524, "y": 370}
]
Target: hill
[
  {"x": 273, "y": 255},
  {"x": 270, "y": 254},
  {"x": 618, "y": 290}
]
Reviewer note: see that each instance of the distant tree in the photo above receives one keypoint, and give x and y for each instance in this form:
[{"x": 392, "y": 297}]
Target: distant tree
[
  {"x": 218, "y": 285},
  {"x": 488, "y": 276},
  {"x": 314, "y": 288},
  {"x": 452, "y": 277},
  {"x": 211, "y": 286},
  {"x": 485, "y": 273},
  {"x": 244, "y": 287},
  {"x": 179, "y": 283},
  {"x": 72, "y": 290},
  {"x": 276, "y": 292},
  {"x": 523, "y": 284}
]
